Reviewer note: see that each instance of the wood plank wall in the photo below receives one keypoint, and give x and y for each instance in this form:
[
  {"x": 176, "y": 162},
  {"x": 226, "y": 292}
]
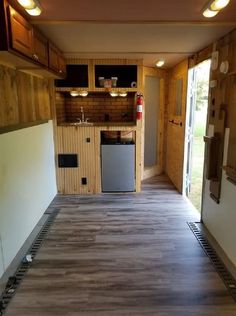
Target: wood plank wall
[
  {"x": 72, "y": 139},
  {"x": 23, "y": 98},
  {"x": 223, "y": 103},
  {"x": 176, "y": 133}
]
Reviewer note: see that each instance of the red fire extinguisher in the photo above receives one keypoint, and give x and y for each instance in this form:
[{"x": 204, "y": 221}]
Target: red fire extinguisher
[{"x": 139, "y": 110}]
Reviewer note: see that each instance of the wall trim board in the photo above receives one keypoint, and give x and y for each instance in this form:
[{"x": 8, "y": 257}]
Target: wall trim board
[{"x": 13, "y": 128}]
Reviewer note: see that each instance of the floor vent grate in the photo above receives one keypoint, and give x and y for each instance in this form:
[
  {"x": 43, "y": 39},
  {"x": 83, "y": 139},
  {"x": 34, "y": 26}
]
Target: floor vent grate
[
  {"x": 219, "y": 266},
  {"x": 15, "y": 280}
]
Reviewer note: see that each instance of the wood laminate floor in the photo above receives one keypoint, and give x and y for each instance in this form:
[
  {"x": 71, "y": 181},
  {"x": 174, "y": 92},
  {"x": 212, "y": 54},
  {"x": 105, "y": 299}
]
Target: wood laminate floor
[{"x": 120, "y": 255}]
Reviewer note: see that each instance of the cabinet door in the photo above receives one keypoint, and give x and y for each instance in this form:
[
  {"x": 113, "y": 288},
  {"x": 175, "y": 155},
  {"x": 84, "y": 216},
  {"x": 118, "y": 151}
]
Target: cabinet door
[
  {"x": 62, "y": 65},
  {"x": 21, "y": 33},
  {"x": 53, "y": 58},
  {"x": 40, "y": 48},
  {"x": 56, "y": 60}
]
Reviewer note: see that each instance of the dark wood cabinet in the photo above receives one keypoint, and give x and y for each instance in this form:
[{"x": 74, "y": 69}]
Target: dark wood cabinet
[
  {"x": 23, "y": 46},
  {"x": 56, "y": 60},
  {"x": 20, "y": 33},
  {"x": 40, "y": 48},
  {"x": 62, "y": 64}
]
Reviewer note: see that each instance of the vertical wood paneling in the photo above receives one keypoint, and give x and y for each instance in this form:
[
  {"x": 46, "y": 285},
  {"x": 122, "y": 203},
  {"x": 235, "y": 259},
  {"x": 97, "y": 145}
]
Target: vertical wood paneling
[
  {"x": 176, "y": 133},
  {"x": 72, "y": 139},
  {"x": 23, "y": 98},
  {"x": 9, "y": 111},
  {"x": 25, "y": 91},
  {"x": 41, "y": 99},
  {"x": 60, "y": 172}
]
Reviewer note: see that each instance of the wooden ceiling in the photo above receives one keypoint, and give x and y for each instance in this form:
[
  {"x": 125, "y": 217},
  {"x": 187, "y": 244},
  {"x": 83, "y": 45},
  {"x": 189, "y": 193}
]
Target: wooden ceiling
[{"x": 150, "y": 29}]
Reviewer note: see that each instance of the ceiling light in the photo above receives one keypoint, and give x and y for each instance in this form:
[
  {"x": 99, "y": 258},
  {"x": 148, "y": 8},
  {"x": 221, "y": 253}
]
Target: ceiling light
[
  {"x": 27, "y": 4},
  {"x": 114, "y": 94},
  {"x": 160, "y": 63},
  {"x": 34, "y": 12},
  {"x": 74, "y": 93},
  {"x": 123, "y": 94},
  {"x": 219, "y": 4},
  {"x": 83, "y": 93},
  {"x": 209, "y": 13}
]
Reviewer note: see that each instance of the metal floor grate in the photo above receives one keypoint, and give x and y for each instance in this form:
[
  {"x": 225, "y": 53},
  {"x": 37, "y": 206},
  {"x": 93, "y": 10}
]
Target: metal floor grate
[
  {"x": 15, "y": 280},
  {"x": 219, "y": 266}
]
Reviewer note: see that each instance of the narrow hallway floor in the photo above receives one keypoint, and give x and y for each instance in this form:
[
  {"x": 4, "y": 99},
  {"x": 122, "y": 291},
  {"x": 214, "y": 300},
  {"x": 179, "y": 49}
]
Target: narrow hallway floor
[{"x": 120, "y": 255}]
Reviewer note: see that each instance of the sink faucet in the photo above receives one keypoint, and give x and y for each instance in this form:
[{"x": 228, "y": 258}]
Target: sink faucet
[{"x": 82, "y": 114}]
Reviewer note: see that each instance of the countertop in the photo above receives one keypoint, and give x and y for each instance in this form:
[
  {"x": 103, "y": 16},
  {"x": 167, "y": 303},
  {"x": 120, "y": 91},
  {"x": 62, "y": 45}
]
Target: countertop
[{"x": 97, "y": 124}]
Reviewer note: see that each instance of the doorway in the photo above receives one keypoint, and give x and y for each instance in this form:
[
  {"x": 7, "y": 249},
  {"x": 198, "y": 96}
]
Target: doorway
[{"x": 196, "y": 119}]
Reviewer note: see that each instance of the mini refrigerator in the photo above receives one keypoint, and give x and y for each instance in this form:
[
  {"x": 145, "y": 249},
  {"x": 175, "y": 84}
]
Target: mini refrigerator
[{"x": 118, "y": 167}]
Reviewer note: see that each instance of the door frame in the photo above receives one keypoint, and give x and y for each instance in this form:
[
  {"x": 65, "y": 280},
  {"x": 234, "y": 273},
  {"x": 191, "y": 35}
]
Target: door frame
[{"x": 157, "y": 169}]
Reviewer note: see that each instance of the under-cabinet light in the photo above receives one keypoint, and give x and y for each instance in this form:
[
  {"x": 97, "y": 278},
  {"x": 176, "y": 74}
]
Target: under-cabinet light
[
  {"x": 123, "y": 94},
  {"x": 219, "y": 4},
  {"x": 83, "y": 93},
  {"x": 160, "y": 63},
  {"x": 114, "y": 94},
  {"x": 74, "y": 93},
  {"x": 27, "y": 4}
]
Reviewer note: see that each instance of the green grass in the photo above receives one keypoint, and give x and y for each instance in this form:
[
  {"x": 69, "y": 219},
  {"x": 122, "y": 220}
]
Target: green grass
[
  {"x": 197, "y": 172},
  {"x": 195, "y": 195}
]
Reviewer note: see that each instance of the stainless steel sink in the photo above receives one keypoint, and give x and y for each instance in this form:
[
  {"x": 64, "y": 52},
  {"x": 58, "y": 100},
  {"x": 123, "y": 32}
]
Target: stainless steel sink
[{"x": 81, "y": 124}]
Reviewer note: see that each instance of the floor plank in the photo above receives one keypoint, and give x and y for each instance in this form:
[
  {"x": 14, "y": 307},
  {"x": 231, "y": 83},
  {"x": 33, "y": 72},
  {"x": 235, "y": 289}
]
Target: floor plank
[{"x": 122, "y": 254}]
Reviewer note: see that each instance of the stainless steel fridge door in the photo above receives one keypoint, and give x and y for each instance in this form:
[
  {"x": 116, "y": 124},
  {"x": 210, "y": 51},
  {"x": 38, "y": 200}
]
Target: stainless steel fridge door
[{"x": 118, "y": 168}]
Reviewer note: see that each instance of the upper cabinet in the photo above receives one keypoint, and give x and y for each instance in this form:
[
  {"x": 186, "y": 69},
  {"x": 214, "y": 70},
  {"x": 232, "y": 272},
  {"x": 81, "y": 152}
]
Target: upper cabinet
[
  {"x": 25, "y": 47},
  {"x": 102, "y": 75},
  {"x": 77, "y": 76},
  {"x": 56, "y": 61},
  {"x": 20, "y": 33},
  {"x": 118, "y": 76},
  {"x": 40, "y": 48}
]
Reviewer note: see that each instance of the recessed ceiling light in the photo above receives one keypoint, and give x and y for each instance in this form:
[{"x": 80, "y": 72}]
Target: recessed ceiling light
[
  {"x": 27, "y": 4},
  {"x": 219, "y": 4},
  {"x": 34, "y": 12},
  {"x": 209, "y": 13},
  {"x": 74, "y": 93},
  {"x": 160, "y": 63}
]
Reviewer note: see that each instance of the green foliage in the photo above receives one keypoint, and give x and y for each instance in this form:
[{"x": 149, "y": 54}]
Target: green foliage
[{"x": 201, "y": 94}]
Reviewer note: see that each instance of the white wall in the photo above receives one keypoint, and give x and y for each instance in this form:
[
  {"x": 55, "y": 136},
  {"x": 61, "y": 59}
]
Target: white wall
[
  {"x": 1, "y": 259},
  {"x": 27, "y": 184},
  {"x": 220, "y": 219}
]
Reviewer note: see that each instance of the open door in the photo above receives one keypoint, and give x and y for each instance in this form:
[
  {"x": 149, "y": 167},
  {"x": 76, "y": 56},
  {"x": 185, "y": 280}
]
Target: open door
[{"x": 196, "y": 118}]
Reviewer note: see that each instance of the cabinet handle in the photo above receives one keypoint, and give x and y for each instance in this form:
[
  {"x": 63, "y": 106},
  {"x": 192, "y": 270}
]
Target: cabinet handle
[
  {"x": 60, "y": 71},
  {"x": 35, "y": 57}
]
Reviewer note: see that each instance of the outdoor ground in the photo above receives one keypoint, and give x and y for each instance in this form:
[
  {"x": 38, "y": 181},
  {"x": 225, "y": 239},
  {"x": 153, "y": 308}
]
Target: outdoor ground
[{"x": 198, "y": 159}]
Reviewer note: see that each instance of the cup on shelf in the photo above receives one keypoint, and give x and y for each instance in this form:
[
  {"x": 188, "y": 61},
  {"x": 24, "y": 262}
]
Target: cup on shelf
[
  {"x": 114, "y": 81},
  {"x": 101, "y": 81}
]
